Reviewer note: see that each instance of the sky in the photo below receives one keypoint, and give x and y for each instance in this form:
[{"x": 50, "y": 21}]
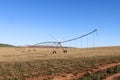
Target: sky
[{"x": 24, "y": 22}]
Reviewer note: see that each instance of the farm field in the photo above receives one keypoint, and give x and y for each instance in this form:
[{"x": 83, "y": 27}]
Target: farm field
[{"x": 34, "y": 63}]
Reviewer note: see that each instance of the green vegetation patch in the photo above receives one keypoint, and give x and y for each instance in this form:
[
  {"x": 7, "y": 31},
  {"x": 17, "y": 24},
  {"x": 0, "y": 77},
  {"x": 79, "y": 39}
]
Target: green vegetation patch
[{"x": 6, "y": 45}]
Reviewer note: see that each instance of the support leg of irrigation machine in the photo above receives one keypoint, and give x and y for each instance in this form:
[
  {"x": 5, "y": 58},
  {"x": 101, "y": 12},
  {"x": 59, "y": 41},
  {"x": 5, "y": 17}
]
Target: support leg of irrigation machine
[
  {"x": 58, "y": 45},
  {"x": 64, "y": 51}
]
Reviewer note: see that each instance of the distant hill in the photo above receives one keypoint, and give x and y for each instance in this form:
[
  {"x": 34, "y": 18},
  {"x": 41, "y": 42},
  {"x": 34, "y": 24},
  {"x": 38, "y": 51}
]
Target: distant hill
[{"x": 6, "y": 45}]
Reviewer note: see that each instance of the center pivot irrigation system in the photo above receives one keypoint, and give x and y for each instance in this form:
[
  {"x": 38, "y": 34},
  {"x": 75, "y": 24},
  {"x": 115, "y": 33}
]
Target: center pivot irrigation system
[{"x": 59, "y": 43}]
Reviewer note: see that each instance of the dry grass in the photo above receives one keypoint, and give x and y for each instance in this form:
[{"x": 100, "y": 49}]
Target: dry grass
[
  {"x": 11, "y": 54},
  {"x": 22, "y": 63}
]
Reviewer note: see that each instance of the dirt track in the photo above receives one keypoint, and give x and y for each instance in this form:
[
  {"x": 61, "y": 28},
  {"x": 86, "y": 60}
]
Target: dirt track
[{"x": 71, "y": 76}]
